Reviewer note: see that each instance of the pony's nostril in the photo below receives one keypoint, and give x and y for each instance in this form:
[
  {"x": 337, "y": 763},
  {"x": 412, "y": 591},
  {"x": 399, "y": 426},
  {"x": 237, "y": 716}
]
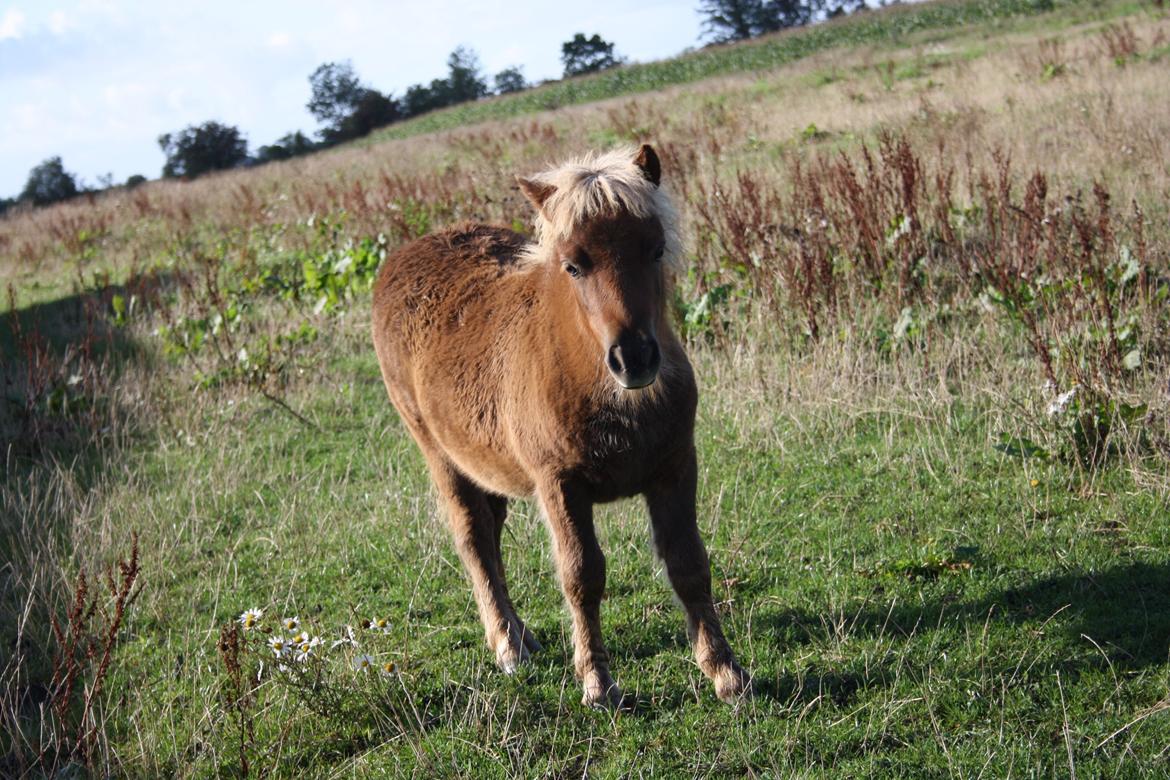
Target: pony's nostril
[
  {"x": 649, "y": 352},
  {"x": 636, "y": 363},
  {"x": 652, "y": 354},
  {"x": 614, "y": 360}
]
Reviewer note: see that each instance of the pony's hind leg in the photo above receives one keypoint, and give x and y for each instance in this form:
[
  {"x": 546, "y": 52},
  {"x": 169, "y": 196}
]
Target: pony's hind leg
[
  {"x": 476, "y": 531},
  {"x": 677, "y": 542},
  {"x": 499, "y": 508}
]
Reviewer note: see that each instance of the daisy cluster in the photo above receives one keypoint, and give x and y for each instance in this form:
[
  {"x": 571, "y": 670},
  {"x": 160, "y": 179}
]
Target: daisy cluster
[{"x": 290, "y": 642}]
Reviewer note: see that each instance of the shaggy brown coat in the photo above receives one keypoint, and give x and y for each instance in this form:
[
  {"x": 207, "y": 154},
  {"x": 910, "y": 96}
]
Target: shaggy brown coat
[{"x": 550, "y": 369}]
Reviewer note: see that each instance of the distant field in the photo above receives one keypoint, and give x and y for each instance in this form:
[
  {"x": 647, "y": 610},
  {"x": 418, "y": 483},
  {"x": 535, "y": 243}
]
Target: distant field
[
  {"x": 910, "y": 236},
  {"x": 890, "y": 28}
]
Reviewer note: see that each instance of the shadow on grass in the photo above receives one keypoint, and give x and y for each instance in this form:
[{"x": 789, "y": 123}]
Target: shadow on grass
[
  {"x": 62, "y": 426},
  {"x": 62, "y": 362},
  {"x": 1118, "y": 616}
]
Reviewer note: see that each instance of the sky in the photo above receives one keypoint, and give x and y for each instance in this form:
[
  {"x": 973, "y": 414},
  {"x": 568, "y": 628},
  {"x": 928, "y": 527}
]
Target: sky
[{"x": 97, "y": 81}]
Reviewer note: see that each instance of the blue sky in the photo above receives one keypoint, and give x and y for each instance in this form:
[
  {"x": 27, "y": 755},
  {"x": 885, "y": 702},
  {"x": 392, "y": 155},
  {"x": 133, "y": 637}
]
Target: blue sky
[{"x": 97, "y": 81}]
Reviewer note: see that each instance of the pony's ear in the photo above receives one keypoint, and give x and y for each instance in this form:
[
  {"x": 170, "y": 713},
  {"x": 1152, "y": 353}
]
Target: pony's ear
[
  {"x": 537, "y": 192},
  {"x": 647, "y": 160}
]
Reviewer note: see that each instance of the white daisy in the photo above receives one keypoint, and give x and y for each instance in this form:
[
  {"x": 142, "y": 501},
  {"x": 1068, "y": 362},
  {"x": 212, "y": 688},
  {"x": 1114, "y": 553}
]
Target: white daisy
[
  {"x": 1062, "y": 401},
  {"x": 305, "y": 649},
  {"x": 381, "y": 625},
  {"x": 363, "y": 663},
  {"x": 388, "y": 669},
  {"x": 291, "y": 623},
  {"x": 250, "y": 617},
  {"x": 279, "y": 646}
]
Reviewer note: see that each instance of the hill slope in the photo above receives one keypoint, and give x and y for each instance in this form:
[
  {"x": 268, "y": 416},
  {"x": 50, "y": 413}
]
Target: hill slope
[{"x": 891, "y": 27}]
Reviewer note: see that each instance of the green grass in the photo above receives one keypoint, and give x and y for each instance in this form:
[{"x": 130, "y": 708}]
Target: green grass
[{"x": 910, "y": 602}]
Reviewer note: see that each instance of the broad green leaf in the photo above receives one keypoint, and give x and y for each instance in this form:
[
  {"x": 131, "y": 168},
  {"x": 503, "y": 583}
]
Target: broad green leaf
[{"x": 1020, "y": 447}]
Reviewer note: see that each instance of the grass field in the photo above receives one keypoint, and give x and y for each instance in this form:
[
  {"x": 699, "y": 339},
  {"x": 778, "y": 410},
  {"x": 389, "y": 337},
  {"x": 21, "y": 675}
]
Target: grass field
[{"x": 927, "y": 571}]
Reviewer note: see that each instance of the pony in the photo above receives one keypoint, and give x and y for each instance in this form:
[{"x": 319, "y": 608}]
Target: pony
[{"x": 548, "y": 368}]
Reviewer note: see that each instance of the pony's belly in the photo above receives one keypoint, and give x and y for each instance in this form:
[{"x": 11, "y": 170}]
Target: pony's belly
[
  {"x": 477, "y": 450},
  {"x": 494, "y": 473}
]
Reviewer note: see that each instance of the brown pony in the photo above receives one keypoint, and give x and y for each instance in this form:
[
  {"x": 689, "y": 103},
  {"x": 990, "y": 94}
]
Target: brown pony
[{"x": 550, "y": 369}]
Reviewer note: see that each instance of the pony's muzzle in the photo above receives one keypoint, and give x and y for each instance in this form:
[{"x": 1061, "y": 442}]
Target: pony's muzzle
[{"x": 634, "y": 360}]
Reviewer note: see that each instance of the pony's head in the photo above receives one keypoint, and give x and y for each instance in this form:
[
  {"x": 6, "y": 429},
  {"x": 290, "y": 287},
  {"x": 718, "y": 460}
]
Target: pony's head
[{"x": 604, "y": 224}]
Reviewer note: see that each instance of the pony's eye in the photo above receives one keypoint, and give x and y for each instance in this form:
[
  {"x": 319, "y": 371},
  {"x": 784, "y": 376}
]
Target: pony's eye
[
  {"x": 659, "y": 252},
  {"x": 576, "y": 262}
]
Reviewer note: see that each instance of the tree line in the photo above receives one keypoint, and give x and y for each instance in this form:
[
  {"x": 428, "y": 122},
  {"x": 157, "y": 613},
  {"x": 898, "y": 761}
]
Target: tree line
[{"x": 347, "y": 109}]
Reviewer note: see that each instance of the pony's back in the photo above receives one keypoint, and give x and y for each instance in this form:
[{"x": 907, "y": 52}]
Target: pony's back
[{"x": 433, "y": 280}]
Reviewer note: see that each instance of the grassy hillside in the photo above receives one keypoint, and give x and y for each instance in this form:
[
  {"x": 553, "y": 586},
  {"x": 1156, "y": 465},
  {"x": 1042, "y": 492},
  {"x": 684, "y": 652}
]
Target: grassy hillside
[
  {"x": 903, "y": 253},
  {"x": 890, "y": 28}
]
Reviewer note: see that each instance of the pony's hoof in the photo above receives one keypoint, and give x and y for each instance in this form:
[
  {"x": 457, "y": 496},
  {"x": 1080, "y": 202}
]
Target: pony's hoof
[
  {"x": 601, "y": 692},
  {"x": 530, "y": 642},
  {"x": 510, "y": 654},
  {"x": 732, "y": 684}
]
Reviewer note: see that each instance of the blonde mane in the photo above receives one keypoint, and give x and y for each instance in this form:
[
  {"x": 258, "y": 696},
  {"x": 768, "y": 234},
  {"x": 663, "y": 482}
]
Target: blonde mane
[{"x": 599, "y": 184}]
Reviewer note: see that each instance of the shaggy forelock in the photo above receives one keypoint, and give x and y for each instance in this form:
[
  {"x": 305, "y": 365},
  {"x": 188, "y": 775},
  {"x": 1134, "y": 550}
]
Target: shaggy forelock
[{"x": 598, "y": 185}]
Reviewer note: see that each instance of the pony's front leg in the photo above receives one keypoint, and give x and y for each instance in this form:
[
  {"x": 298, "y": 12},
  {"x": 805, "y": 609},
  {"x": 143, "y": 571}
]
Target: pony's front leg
[
  {"x": 476, "y": 519},
  {"x": 581, "y": 567},
  {"x": 677, "y": 543}
]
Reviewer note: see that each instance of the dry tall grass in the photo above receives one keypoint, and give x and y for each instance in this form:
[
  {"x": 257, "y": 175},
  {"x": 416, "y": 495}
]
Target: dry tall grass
[{"x": 1097, "y": 120}]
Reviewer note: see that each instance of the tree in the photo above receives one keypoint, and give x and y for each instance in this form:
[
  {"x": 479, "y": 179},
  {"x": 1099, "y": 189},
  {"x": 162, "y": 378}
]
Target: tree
[
  {"x": 464, "y": 80},
  {"x": 350, "y": 109},
  {"x": 49, "y": 182},
  {"x": 783, "y": 14},
  {"x": 587, "y": 55},
  {"x": 734, "y": 20},
  {"x": 336, "y": 92},
  {"x": 372, "y": 111},
  {"x": 136, "y": 180},
  {"x": 731, "y": 20},
  {"x": 420, "y": 98},
  {"x": 199, "y": 149},
  {"x": 287, "y": 146},
  {"x": 843, "y": 7},
  {"x": 510, "y": 80}
]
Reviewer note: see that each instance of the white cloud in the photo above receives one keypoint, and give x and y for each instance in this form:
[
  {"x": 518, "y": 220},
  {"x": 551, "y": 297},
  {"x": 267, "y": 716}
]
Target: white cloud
[
  {"x": 279, "y": 40},
  {"x": 12, "y": 24},
  {"x": 59, "y": 22}
]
